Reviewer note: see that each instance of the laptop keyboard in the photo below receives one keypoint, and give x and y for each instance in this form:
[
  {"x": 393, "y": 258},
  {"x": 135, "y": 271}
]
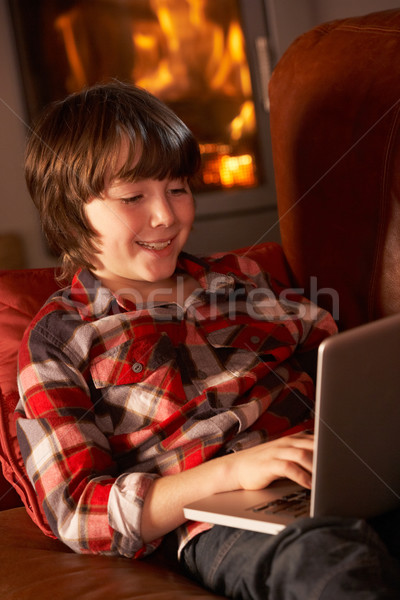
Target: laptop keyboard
[{"x": 296, "y": 503}]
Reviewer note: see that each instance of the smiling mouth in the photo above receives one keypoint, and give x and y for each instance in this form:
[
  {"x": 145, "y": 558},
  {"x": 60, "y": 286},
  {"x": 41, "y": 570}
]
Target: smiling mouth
[{"x": 155, "y": 245}]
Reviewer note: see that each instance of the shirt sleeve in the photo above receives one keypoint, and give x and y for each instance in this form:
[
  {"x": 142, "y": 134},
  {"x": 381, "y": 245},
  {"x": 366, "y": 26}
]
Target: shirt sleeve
[{"x": 68, "y": 457}]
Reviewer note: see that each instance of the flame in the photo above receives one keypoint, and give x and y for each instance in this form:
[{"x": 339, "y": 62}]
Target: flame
[
  {"x": 193, "y": 48},
  {"x": 221, "y": 168},
  {"x": 65, "y": 24},
  {"x": 145, "y": 42},
  {"x": 237, "y": 170},
  {"x": 244, "y": 122}
]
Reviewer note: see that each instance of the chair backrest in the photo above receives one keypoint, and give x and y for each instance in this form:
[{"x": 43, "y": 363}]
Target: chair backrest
[{"x": 335, "y": 104}]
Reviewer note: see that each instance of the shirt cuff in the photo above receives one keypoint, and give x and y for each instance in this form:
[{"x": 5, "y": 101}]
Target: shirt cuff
[{"x": 125, "y": 506}]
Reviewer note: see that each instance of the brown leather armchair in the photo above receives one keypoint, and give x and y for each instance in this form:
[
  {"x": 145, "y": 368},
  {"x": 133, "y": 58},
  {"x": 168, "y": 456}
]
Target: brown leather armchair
[{"x": 335, "y": 99}]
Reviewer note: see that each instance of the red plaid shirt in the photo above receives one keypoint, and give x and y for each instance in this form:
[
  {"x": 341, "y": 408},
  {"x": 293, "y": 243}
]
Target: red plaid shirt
[{"x": 114, "y": 395}]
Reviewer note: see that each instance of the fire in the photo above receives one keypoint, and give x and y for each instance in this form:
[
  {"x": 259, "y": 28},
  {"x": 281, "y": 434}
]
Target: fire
[
  {"x": 227, "y": 170},
  {"x": 189, "y": 55},
  {"x": 195, "y": 50},
  {"x": 191, "y": 47}
]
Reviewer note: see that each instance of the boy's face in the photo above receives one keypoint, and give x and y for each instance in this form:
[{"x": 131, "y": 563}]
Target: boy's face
[{"x": 142, "y": 227}]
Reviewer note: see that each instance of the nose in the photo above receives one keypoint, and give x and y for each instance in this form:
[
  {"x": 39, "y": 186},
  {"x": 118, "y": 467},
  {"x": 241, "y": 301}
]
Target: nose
[{"x": 162, "y": 213}]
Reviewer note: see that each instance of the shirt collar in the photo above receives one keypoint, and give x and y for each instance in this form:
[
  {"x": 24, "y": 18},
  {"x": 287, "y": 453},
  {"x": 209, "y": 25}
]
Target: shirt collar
[
  {"x": 91, "y": 299},
  {"x": 94, "y": 301},
  {"x": 215, "y": 272}
]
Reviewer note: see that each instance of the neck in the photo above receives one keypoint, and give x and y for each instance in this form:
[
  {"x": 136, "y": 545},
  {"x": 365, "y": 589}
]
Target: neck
[{"x": 176, "y": 288}]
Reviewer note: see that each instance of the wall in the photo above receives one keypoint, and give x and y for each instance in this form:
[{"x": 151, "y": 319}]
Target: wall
[
  {"x": 288, "y": 19},
  {"x": 17, "y": 213},
  {"x": 326, "y": 10}
]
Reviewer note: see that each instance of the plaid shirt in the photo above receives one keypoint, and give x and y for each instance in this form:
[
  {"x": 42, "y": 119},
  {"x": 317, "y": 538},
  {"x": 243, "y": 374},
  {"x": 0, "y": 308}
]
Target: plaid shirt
[{"x": 114, "y": 394}]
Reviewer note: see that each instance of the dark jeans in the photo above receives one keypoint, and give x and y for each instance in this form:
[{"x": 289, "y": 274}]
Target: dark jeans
[{"x": 324, "y": 559}]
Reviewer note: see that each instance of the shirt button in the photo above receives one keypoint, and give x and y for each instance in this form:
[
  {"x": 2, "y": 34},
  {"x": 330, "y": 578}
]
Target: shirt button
[
  {"x": 254, "y": 339},
  {"x": 137, "y": 367},
  {"x": 201, "y": 374}
]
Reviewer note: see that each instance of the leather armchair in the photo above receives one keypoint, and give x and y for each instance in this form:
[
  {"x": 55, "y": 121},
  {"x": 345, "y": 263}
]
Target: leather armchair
[{"x": 335, "y": 100}]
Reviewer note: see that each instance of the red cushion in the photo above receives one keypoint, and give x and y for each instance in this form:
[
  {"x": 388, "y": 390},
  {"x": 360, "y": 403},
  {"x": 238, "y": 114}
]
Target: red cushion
[{"x": 22, "y": 293}]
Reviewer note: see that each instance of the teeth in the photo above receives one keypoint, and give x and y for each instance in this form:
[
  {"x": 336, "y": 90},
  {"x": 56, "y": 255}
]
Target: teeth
[{"x": 155, "y": 245}]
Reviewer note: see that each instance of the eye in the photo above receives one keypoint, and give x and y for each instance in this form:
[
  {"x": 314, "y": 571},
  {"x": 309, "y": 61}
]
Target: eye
[
  {"x": 178, "y": 191},
  {"x": 132, "y": 199}
]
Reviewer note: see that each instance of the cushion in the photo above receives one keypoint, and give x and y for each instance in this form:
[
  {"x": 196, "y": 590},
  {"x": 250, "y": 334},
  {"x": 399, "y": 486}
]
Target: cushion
[{"x": 22, "y": 293}]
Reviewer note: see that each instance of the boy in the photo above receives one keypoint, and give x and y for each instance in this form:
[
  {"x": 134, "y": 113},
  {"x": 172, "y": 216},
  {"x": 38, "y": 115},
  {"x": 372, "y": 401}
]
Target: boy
[{"x": 157, "y": 378}]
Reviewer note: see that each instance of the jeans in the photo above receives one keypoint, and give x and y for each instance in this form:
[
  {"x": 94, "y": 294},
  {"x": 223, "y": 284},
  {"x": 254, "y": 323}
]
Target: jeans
[{"x": 319, "y": 558}]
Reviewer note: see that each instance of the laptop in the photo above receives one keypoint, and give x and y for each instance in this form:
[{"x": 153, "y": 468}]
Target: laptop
[{"x": 356, "y": 470}]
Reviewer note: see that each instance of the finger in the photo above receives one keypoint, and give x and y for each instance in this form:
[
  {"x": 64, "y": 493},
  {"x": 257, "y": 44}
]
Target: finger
[
  {"x": 306, "y": 442},
  {"x": 296, "y": 473}
]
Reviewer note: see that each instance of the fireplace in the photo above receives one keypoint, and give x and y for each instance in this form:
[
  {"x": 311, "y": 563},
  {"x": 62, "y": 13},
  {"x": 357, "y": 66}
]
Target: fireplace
[{"x": 207, "y": 59}]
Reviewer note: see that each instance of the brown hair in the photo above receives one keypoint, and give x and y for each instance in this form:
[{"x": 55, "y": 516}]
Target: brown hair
[{"x": 74, "y": 148}]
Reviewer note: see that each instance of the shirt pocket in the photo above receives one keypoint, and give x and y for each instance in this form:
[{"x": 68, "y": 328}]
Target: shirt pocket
[
  {"x": 133, "y": 361},
  {"x": 242, "y": 347}
]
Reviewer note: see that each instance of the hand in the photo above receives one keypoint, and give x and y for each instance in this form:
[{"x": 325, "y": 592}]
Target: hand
[
  {"x": 290, "y": 456},
  {"x": 251, "y": 469}
]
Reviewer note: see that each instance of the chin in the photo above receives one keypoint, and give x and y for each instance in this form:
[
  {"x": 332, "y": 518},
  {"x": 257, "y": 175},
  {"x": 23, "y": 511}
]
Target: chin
[
  {"x": 157, "y": 274},
  {"x": 159, "y": 278}
]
